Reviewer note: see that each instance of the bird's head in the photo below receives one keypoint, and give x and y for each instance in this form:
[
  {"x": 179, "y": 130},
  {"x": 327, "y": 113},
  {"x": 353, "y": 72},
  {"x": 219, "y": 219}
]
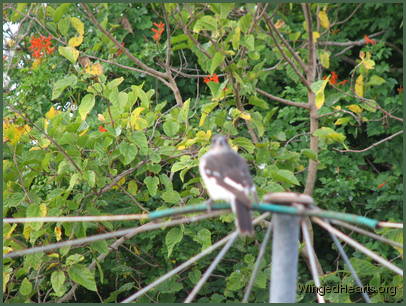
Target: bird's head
[{"x": 219, "y": 142}]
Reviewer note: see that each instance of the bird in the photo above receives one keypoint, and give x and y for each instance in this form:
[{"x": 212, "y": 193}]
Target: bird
[{"x": 226, "y": 177}]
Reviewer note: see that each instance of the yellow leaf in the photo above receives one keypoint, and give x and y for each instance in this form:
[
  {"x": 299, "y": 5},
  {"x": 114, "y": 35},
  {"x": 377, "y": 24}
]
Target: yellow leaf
[
  {"x": 324, "y": 22},
  {"x": 53, "y": 255},
  {"x": 119, "y": 183},
  {"x": 78, "y": 25},
  {"x": 7, "y": 250},
  {"x": 58, "y": 233},
  {"x": 136, "y": 251},
  {"x": 75, "y": 41},
  {"x": 320, "y": 94},
  {"x": 8, "y": 235},
  {"x": 36, "y": 63},
  {"x": 13, "y": 132},
  {"x": 325, "y": 59},
  {"x": 359, "y": 86},
  {"x": 51, "y": 265},
  {"x": 245, "y": 116},
  {"x": 6, "y": 278},
  {"x": 51, "y": 113},
  {"x": 340, "y": 121},
  {"x": 43, "y": 209},
  {"x": 338, "y": 107},
  {"x": 316, "y": 36},
  {"x": 34, "y": 149},
  {"x": 94, "y": 69},
  {"x": 182, "y": 147},
  {"x": 27, "y": 231},
  {"x": 136, "y": 121},
  {"x": 354, "y": 108},
  {"x": 202, "y": 119},
  {"x": 362, "y": 55},
  {"x": 83, "y": 132}
]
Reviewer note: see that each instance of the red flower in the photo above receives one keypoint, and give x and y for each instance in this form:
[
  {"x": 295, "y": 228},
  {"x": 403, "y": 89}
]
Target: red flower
[
  {"x": 158, "y": 31},
  {"x": 211, "y": 78},
  {"x": 381, "y": 185},
  {"x": 40, "y": 45},
  {"x": 369, "y": 40},
  {"x": 333, "y": 79},
  {"x": 102, "y": 129},
  {"x": 400, "y": 89}
]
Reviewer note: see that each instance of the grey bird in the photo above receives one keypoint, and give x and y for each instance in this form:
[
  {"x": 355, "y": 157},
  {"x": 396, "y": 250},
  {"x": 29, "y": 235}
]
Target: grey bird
[{"x": 226, "y": 177}]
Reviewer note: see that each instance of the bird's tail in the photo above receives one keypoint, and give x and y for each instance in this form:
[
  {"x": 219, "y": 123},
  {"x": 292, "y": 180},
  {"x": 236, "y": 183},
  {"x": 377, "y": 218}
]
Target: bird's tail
[{"x": 243, "y": 218}]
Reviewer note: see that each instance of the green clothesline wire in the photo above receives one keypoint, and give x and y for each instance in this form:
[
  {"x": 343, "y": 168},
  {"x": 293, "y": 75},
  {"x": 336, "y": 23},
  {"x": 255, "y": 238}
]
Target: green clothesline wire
[{"x": 283, "y": 209}]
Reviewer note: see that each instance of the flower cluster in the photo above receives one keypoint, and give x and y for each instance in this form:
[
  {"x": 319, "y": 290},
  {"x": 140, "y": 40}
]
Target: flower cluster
[
  {"x": 158, "y": 31},
  {"x": 369, "y": 40},
  {"x": 211, "y": 78},
  {"x": 40, "y": 45},
  {"x": 334, "y": 78}
]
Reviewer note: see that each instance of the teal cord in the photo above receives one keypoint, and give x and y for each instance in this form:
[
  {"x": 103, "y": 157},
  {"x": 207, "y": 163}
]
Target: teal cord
[{"x": 283, "y": 209}]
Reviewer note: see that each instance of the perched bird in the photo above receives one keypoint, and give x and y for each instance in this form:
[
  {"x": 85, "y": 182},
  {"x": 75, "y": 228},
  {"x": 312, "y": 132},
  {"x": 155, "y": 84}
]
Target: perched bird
[{"x": 227, "y": 177}]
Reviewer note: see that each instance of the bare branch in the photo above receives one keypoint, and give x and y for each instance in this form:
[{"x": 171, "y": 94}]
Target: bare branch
[
  {"x": 281, "y": 100},
  {"x": 373, "y": 145},
  {"x": 348, "y": 18},
  {"x": 360, "y": 42}
]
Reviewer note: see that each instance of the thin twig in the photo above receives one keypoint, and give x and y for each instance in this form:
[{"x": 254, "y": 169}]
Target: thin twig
[
  {"x": 77, "y": 218},
  {"x": 373, "y": 145},
  {"x": 390, "y": 224},
  {"x": 282, "y": 100}
]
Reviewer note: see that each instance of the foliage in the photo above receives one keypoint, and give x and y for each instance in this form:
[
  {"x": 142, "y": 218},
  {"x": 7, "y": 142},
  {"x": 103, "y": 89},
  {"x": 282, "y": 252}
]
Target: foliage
[{"x": 79, "y": 111}]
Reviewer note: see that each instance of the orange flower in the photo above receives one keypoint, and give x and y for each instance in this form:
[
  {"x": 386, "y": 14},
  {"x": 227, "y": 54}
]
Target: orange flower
[
  {"x": 102, "y": 129},
  {"x": 333, "y": 79},
  {"x": 40, "y": 45},
  {"x": 343, "y": 82},
  {"x": 381, "y": 185},
  {"x": 120, "y": 51},
  {"x": 369, "y": 40},
  {"x": 158, "y": 31},
  {"x": 211, "y": 78},
  {"x": 400, "y": 89}
]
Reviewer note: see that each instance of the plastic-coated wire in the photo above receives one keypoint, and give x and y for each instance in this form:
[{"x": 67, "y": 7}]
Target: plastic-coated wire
[
  {"x": 133, "y": 230},
  {"x": 313, "y": 268},
  {"x": 350, "y": 266},
  {"x": 261, "y": 254},
  {"x": 366, "y": 233},
  {"x": 187, "y": 263},
  {"x": 358, "y": 246},
  {"x": 210, "y": 270}
]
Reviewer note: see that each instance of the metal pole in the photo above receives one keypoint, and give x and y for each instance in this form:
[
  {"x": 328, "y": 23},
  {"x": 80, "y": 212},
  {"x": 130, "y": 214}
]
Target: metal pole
[{"x": 284, "y": 258}]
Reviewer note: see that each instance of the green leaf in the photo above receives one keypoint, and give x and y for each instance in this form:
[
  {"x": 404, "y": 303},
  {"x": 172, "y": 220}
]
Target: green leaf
[
  {"x": 244, "y": 143},
  {"x": 74, "y": 179},
  {"x": 171, "y": 127},
  {"x": 90, "y": 177},
  {"x": 217, "y": 59},
  {"x": 60, "y": 10},
  {"x": 114, "y": 83},
  {"x": 184, "y": 112},
  {"x": 62, "y": 84},
  {"x": 235, "y": 281},
  {"x": 207, "y": 109},
  {"x": 86, "y": 105},
  {"x": 132, "y": 187},
  {"x": 26, "y": 287},
  {"x": 235, "y": 38},
  {"x": 194, "y": 276},
  {"x": 208, "y": 23},
  {"x": 57, "y": 282},
  {"x": 254, "y": 100},
  {"x": 140, "y": 140},
  {"x": 183, "y": 163},
  {"x": 325, "y": 59},
  {"x": 152, "y": 184},
  {"x": 74, "y": 259},
  {"x": 284, "y": 176},
  {"x": 19, "y": 12},
  {"x": 128, "y": 151},
  {"x": 203, "y": 237},
  {"x": 64, "y": 25},
  {"x": 245, "y": 22},
  {"x": 318, "y": 88},
  {"x": 328, "y": 136},
  {"x": 375, "y": 80},
  {"x": 69, "y": 53},
  {"x": 309, "y": 154},
  {"x": 171, "y": 196},
  {"x": 172, "y": 238},
  {"x": 83, "y": 276}
]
